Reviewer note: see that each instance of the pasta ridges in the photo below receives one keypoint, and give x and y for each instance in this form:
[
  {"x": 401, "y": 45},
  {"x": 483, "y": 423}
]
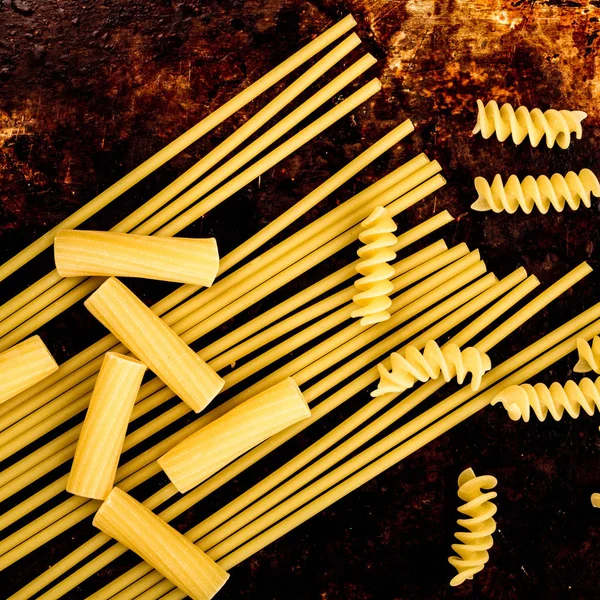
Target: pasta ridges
[
  {"x": 449, "y": 361},
  {"x": 556, "y": 125},
  {"x": 520, "y": 400},
  {"x": 477, "y": 540},
  {"x": 589, "y": 356},
  {"x": 373, "y": 298},
  {"x": 542, "y": 193}
]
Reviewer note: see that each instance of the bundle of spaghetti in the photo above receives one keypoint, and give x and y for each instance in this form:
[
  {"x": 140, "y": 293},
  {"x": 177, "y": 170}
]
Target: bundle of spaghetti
[
  {"x": 556, "y": 125},
  {"x": 542, "y": 193},
  {"x": 362, "y": 438},
  {"x": 374, "y": 287},
  {"x": 272, "y": 262},
  {"x": 16, "y": 326},
  {"x": 54, "y": 457},
  {"x": 415, "y": 365},
  {"x": 303, "y": 368},
  {"x": 520, "y": 400},
  {"x": 182, "y": 142},
  {"x": 231, "y": 310},
  {"x": 394, "y": 448},
  {"x": 477, "y": 540},
  {"x": 589, "y": 356},
  {"x": 452, "y": 303}
]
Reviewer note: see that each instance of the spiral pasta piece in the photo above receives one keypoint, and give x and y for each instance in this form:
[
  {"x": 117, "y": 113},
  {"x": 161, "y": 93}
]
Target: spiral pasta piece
[
  {"x": 589, "y": 356},
  {"x": 556, "y": 125},
  {"x": 541, "y": 193},
  {"x": 414, "y": 365},
  {"x": 477, "y": 540},
  {"x": 520, "y": 400},
  {"x": 373, "y": 298}
]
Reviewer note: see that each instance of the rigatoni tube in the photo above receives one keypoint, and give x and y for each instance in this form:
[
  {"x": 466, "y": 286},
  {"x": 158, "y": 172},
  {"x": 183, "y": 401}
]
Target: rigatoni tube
[
  {"x": 182, "y": 260},
  {"x": 101, "y": 440},
  {"x": 237, "y": 431},
  {"x": 24, "y": 365},
  {"x": 162, "y": 547},
  {"x": 154, "y": 343}
]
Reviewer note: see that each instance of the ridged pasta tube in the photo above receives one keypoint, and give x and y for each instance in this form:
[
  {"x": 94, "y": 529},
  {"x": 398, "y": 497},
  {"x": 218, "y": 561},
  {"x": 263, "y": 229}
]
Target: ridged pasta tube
[
  {"x": 374, "y": 288},
  {"x": 80, "y": 253},
  {"x": 520, "y": 400},
  {"x": 542, "y": 193},
  {"x": 160, "y": 545},
  {"x": 477, "y": 540},
  {"x": 449, "y": 361},
  {"x": 556, "y": 125},
  {"x": 24, "y": 365},
  {"x": 589, "y": 356}
]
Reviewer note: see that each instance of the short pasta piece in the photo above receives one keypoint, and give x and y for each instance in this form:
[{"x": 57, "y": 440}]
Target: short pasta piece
[
  {"x": 374, "y": 288},
  {"x": 154, "y": 343},
  {"x": 449, "y": 361},
  {"x": 520, "y": 400},
  {"x": 542, "y": 193},
  {"x": 80, "y": 253},
  {"x": 480, "y": 524},
  {"x": 162, "y": 547},
  {"x": 589, "y": 356},
  {"x": 24, "y": 365},
  {"x": 595, "y": 498},
  {"x": 101, "y": 439},
  {"x": 555, "y": 125},
  {"x": 237, "y": 431}
]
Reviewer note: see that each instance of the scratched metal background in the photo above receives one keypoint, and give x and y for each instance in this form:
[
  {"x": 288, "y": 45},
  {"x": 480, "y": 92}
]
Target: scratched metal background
[{"x": 90, "y": 89}]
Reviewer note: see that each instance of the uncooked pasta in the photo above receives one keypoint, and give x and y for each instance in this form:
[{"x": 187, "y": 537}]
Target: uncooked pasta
[
  {"x": 480, "y": 525},
  {"x": 589, "y": 356},
  {"x": 555, "y": 125},
  {"x": 542, "y": 192}
]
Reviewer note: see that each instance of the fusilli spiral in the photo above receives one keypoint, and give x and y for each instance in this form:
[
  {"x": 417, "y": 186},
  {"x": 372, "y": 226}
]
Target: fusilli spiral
[
  {"x": 414, "y": 365},
  {"x": 556, "y": 125},
  {"x": 373, "y": 299},
  {"x": 477, "y": 540},
  {"x": 542, "y": 193},
  {"x": 520, "y": 400},
  {"x": 589, "y": 356}
]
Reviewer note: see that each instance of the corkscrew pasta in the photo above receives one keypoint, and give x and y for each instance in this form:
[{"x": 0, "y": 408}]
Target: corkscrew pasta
[
  {"x": 413, "y": 365},
  {"x": 589, "y": 356},
  {"x": 374, "y": 288},
  {"x": 477, "y": 540},
  {"x": 520, "y": 400},
  {"x": 556, "y": 125},
  {"x": 541, "y": 193}
]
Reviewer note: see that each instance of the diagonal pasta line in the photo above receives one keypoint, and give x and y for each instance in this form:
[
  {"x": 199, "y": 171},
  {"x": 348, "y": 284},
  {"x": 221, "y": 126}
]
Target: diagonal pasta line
[
  {"x": 182, "y": 142},
  {"x": 308, "y": 238},
  {"x": 191, "y": 214},
  {"x": 415, "y": 326},
  {"x": 53, "y": 286}
]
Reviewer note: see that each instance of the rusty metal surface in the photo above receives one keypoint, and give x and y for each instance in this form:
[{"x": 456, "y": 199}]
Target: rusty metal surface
[{"x": 90, "y": 89}]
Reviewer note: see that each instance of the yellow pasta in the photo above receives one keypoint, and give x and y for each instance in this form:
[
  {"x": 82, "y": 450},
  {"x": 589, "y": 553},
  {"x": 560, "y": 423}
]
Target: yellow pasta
[
  {"x": 374, "y": 288},
  {"x": 237, "y": 431},
  {"x": 155, "y": 344},
  {"x": 541, "y": 193},
  {"x": 413, "y": 365},
  {"x": 477, "y": 540},
  {"x": 101, "y": 439},
  {"x": 181, "y": 260},
  {"x": 24, "y": 365},
  {"x": 589, "y": 356},
  {"x": 595, "y": 500},
  {"x": 556, "y": 125},
  {"x": 520, "y": 400},
  {"x": 161, "y": 546}
]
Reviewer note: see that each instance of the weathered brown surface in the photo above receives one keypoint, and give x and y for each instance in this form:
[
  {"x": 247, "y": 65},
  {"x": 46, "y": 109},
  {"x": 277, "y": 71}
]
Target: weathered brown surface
[{"x": 88, "y": 90}]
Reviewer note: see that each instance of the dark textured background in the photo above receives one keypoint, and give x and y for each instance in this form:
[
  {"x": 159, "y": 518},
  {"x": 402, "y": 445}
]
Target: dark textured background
[{"x": 90, "y": 89}]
